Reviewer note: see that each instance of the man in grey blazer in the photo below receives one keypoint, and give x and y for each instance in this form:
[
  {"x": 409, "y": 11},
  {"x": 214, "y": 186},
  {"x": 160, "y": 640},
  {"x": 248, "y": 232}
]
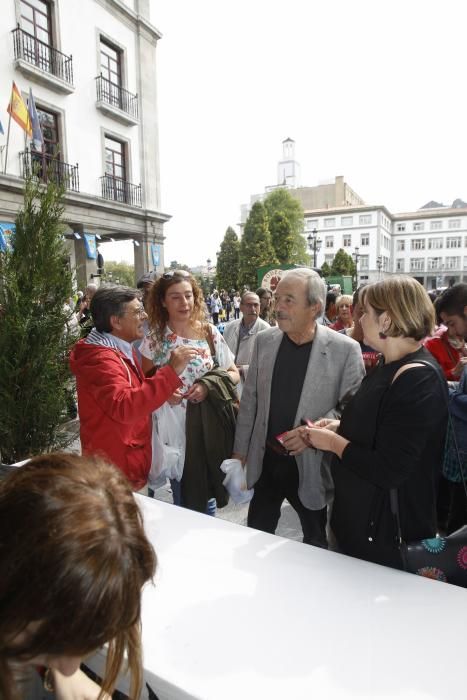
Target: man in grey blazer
[
  {"x": 299, "y": 370},
  {"x": 240, "y": 335}
]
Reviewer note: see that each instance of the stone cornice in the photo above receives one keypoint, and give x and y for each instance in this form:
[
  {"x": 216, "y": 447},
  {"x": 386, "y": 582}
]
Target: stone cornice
[{"x": 131, "y": 18}]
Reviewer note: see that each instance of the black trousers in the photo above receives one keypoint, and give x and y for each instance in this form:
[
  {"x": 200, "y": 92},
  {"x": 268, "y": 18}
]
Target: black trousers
[{"x": 279, "y": 481}]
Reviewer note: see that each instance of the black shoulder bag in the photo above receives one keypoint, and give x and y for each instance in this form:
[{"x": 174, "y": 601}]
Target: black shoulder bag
[{"x": 440, "y": 558}]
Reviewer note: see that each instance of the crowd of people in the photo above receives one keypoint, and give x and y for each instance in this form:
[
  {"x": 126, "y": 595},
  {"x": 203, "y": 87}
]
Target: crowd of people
[{"x": 331, "y": 402}]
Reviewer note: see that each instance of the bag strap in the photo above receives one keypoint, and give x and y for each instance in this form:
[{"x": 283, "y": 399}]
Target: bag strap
[
  {"x": 210, "y": 340},
  {"x": 393, "y": 494}
]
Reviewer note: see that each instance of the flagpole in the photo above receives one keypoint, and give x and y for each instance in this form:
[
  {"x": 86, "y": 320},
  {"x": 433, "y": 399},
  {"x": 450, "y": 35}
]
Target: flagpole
[{"x": 7, "y": 142}]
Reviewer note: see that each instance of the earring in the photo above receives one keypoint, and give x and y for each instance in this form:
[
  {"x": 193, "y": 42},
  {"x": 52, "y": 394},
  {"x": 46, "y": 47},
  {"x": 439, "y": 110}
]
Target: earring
[{"x": 382, "y": 335}]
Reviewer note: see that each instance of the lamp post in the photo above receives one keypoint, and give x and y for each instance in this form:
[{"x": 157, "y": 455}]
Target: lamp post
[
  {"x": 208, "y": 265},
  {"x": 314, "y": 244},
  {"x": 379, "y": 265},
  {"x": 356, "y": 256}
]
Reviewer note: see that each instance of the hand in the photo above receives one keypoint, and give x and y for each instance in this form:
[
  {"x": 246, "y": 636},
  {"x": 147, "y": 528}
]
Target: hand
[
  {"x": 240, "y": 457},
  {"x": 181, "y": 357},
  {"x": 197, "y": 393},
  {"x": 76, "y": 687},
  {"x": 176, "y": 398},
  {"x": 328, "y": 423},
  {"x": 457, "y": 371},
  {"x": 295, "y": 440},
  {"x": 321, "y": 438}
]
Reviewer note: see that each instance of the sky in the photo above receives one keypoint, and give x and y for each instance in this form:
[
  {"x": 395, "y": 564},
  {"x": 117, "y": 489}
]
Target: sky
[{"x": 369, "y": 89}]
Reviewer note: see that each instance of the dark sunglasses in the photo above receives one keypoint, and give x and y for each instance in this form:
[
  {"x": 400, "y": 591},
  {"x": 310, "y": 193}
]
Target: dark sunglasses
[{"x": 175, "y": 273}]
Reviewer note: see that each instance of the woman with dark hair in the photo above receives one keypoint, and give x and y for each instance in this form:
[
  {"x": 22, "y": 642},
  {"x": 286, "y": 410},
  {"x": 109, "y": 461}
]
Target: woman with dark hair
[
  {"x": 266, "y": 312},
  {"x": 177, "y": 318},
  {"x": 74, "y": 558},
  {"x": 392, "y": 431}
]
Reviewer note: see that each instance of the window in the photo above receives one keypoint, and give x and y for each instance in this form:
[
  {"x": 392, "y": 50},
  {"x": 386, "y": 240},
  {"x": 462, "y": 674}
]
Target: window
[
  {"x": 36, "y": 19},
  {"x": 434, "y": 263},
  {"x": 312, "y": 223},
  {"x": 401, "y": 227},
  {"x": 346, "y": 220},
  {"x": 346, "y": 240},
  {"x": 365, "y": 239},
  {"x": 417, "y": 244},
  {"x": 364, "y": 262},
  {"x": 436, "y": 225},
  {"x": 115, "y": 166},
  {"x": 417, "y": 264},
  {"x": 47, "y": 161},
  {"x": 454, "y": 223},
  {"x": 111, "y": 72},
  {"x": 329, "y": 223},
  {"x": 453, "y": 263},
  {"x": 386, "y": 242},
  {"x": 454, "y": 242},
  {"x": 329, "y": 241},
  {"x": 418, "y": 226},
  {"x": 400, "y": 264},
  {"x": 400, "y": 245},
  {"x": 435, "y": 243},
  {"x": 465, "y": 262},
  {"x": 364, "y": 219},
  {"x": 329, "y": 259}
]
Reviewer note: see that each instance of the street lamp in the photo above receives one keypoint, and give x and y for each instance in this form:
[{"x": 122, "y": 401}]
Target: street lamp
[
  {"x": 314, "y": 244},
  {"x": 356, "y": 256},
  {"x": 379, "y": 265}
]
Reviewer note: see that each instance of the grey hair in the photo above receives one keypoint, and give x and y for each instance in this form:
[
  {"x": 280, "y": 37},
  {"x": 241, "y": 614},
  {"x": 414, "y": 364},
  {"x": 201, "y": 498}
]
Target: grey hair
[
  {"x": 110, "y": 300},
  {"x": 316, "y": 286}
]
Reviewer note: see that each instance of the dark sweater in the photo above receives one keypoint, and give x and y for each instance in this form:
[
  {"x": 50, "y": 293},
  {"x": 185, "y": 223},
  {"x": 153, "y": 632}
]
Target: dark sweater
[{"x": 396, "y": 434}]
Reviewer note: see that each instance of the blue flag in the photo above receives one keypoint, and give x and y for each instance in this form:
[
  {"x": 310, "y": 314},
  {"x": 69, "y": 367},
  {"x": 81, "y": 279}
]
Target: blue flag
[
  {"x": 37, "y": 138},
  {"x": 1, "y": 128}
]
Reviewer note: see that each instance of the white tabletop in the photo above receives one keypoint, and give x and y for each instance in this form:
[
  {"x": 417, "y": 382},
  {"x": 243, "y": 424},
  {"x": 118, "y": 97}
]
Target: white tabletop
[{"x": 239, "y": 614}]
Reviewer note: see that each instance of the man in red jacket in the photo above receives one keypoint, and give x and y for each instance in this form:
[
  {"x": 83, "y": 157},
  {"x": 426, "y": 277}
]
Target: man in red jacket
[{"x": 115, "y": 400}]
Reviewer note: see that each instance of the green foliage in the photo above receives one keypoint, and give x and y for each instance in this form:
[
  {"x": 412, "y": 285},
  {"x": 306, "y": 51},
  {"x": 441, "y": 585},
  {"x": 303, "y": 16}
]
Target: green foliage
[
  {"x": 282, "y": 201},
  {"x": 281, "y": 237},
  {"x": 35, "y": 282},
  {"x": 175, "y": 265},
  {"x": 256, "y": 248},
  {"x": 228, "y": 261},
  {"x": 122, "y": 271},
  {"x": 343, "y": 264},
  {"x": 325, "y": 270}
]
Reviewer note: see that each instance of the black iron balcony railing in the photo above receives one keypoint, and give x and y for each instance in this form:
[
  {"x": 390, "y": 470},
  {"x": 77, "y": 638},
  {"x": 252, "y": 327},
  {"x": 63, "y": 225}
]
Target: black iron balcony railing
[
  {"x": 117, "y": 96},
  {"x": 120, "y": 190},
  {"x": 47, "y": 168},
  {"x": 42, "y": 55}
]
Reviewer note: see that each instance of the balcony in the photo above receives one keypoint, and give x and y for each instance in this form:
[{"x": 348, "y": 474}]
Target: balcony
[
  {"x": 116, "y": 102},
  {"x": 120, "y": 191},
  {"x": 42, "y": 62},
  {"x": 47, "y": 168}
]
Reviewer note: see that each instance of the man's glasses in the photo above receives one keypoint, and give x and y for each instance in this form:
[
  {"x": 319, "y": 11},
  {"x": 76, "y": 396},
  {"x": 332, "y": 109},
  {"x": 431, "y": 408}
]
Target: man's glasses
[
  {"x": 138, "y": 313},
  {"x": 175, "y": 273}
]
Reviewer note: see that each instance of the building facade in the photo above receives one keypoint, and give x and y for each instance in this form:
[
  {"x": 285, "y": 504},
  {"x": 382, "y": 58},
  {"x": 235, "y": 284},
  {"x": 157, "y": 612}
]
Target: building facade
[{"x": 91, "y": 67}]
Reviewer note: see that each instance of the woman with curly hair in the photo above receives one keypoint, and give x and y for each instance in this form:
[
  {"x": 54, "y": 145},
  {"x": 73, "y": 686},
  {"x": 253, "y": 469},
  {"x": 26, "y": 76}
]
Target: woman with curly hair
[
  {"x": 177, "y": 316},
  {"x": 74, "y": 558}
]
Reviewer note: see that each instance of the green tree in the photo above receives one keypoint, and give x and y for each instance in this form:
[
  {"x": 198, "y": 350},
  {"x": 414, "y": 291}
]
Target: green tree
[
  {"x": 281, "y": 237},
  {"x": 325, "y": 270},
  {"x": 175, "y": 265},
  {"x": 228, "y": 261},
  {"x": 256, "y": 248},
  {"x": 343, "y": 264},
  {"x": 35, "y": 283},
  {"x": 282, "y": 201},
  {"x": 123, "y": 272}
]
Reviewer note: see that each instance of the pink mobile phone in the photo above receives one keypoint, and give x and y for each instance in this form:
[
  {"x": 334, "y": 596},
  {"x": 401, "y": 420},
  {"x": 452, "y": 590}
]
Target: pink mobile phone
[{"x": 309, "y": 423}]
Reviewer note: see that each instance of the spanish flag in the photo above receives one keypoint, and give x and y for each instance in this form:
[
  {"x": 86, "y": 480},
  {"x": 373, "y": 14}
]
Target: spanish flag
[{"x": 18, "y": 110}]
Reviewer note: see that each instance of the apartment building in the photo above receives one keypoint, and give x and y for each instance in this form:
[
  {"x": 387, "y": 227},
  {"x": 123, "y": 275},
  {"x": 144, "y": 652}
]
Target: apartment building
[{"x": 91, "y": 66}]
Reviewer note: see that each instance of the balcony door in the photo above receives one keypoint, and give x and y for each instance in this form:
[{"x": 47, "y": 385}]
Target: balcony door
[
  {"x": 111, "y": 71},
  {"x": 36, "y": 22},
  {"x": 115, "y": 170},
  {"x": 47, "y": 163}
]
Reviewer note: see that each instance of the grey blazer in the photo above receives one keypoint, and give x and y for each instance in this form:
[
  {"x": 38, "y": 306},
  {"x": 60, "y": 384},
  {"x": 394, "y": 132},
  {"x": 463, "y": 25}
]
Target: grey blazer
[
  {"x": 231, "y": 333},
  {"x": 335, "y": 371}
]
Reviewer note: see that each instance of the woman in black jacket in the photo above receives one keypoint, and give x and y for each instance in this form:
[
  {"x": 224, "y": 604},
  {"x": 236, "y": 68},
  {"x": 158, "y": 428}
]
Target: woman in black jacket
[{"x": 392, "y": 431}]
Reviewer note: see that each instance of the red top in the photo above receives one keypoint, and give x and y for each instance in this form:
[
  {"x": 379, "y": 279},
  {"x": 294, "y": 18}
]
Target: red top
[
  {"x": 115, "y": 402},
  {"x": 446, "y": 355},
  {"x": 339, "y": 326}
]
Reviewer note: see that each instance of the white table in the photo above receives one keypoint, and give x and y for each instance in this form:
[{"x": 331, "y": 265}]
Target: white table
[{"x": 238, "y": 614}]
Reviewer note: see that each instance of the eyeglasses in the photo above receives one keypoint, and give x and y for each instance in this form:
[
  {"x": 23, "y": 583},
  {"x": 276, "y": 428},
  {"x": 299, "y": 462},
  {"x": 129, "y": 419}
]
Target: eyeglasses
[
  {"x": 175, "y": 273},
  {"x": 138, "y": 313}
]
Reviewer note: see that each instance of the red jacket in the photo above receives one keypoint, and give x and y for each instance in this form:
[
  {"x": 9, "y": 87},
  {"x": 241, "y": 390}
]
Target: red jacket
[
  {"x": 447, "y": 356},
  {"x": 115, "y": 402}
]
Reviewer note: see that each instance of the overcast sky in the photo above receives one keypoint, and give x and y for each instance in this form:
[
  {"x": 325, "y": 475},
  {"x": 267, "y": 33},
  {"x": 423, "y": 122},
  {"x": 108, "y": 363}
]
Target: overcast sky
[{"x": 369, "y": 89}]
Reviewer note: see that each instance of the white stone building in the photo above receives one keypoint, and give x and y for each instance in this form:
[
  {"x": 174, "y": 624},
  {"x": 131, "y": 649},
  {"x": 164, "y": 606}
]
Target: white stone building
[{"x": 91, "y": 66}]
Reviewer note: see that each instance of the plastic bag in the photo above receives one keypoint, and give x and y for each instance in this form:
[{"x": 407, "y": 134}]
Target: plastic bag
[
  {"x": 235, "y": 481},
  {"x": 168, "y": 443}
]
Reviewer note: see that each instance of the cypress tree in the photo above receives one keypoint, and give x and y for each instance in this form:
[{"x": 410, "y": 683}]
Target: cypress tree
[
  {"x": 256, "y": 248},
  {"x": 35, "y": 283},
  {"x": 228, "y": 261},
  {"x": 281, "y": 237},
  {"x": 281, "y": 200}
]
